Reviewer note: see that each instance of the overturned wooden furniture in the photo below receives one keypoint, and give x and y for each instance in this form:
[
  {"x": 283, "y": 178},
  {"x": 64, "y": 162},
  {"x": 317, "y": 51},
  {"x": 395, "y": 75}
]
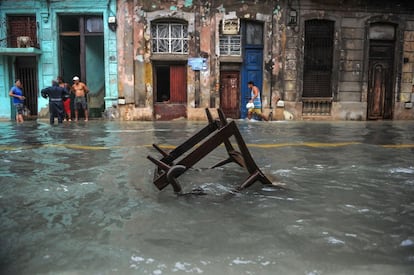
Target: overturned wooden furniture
[{"x": 175, "y": 163}]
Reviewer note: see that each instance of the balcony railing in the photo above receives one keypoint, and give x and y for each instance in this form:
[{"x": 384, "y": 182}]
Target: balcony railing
[{"x": 316, "y": 106}]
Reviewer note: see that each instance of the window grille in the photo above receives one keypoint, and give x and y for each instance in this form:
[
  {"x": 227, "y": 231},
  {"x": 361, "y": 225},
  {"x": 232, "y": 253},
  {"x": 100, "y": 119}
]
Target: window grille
[
  {"x": 21, "y": 26},
  {"x": 169, "y": 38},
  {"x": 230, "y": 45},
  {"x": 318, "y": 58}
]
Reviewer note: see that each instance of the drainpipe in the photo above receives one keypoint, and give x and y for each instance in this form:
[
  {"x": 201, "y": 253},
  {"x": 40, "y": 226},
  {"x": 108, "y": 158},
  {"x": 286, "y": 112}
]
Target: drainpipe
[
  {"x": 271, "y": 60},
  {"x": 269, "y": 65},
  {"x": 197, "y": 52}
]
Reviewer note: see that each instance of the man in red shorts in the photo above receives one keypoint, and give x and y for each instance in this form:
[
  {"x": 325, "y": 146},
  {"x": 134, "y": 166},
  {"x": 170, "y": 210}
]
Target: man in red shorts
[{"x": 66, "y": 103}]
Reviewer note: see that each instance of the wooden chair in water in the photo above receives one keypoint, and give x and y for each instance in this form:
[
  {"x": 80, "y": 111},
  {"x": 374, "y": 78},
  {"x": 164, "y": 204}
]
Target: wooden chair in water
[{"x": 174, "y": 163}]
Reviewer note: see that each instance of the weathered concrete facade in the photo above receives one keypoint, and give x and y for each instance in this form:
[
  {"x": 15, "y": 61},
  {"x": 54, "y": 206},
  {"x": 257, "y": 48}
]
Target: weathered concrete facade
[
  {"x": 331, "y": 60},
  {"x": 354, "y": 34},
  {"x": 136, "y": 59}
]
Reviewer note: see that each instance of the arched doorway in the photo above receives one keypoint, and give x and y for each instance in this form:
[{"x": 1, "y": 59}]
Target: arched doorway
[{"x": 381, "y": 71}]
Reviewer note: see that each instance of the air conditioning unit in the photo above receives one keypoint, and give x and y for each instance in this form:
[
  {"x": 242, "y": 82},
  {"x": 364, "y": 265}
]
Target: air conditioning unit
[{"x": 23, "y": 41}]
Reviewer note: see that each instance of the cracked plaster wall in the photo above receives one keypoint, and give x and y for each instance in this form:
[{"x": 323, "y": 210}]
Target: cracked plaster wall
[
  {"x": 135, "y": 69},
  {"x": 283, "y": 46}
]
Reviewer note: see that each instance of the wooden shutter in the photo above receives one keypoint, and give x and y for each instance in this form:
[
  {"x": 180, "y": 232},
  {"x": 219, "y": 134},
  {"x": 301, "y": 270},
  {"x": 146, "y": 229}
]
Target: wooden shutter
[{"x": 178, "y": 84}]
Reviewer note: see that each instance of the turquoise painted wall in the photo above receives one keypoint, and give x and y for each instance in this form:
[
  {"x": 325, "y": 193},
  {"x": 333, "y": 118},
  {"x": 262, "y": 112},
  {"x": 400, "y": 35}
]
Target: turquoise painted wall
[
  {"x": 48, "y": 67},
  {"x": 5, "y": 102}
]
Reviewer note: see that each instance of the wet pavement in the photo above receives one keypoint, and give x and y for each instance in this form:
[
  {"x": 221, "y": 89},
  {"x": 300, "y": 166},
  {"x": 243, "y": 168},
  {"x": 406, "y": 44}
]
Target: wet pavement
[{"x": 78, "y": 198}]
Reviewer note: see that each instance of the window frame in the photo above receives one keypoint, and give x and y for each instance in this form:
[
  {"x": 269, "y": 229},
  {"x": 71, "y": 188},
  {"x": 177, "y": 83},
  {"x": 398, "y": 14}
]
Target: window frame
[
  {"x": 163, "y": 40},
  {"x": 228, "y": 46}
]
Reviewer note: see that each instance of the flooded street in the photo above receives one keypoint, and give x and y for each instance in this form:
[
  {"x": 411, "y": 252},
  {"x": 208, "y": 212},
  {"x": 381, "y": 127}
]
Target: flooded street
[{"x": 79, "y": 199}]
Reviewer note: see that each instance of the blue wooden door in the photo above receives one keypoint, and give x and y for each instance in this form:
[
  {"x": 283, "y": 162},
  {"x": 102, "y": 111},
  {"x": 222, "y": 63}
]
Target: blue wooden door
[{"x": 252, "y": 71}]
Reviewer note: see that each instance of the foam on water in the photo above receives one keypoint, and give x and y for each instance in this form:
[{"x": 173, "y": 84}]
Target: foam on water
[{"x": 409, "y": 170}]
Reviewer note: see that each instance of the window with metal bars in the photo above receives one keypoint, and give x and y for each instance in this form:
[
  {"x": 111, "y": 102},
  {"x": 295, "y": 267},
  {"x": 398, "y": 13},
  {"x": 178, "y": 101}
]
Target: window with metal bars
[
  {"x": 318, "y": 58},
  {"x": 21, "y": 26},
  {"x": 169, "y": 37},
  {"x": 230, "y": 45}
]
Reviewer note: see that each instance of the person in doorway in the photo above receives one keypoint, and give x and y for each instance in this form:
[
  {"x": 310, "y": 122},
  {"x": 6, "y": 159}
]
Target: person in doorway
[
  {"x": 165, "y": 98},
  {"x": 16, "y": 92},
  {"x": 257, "y": 102},
  {"x": 80, "y": 89},
  {"x": 66, "y": 103},
  {"x": 56, "y": 97}
]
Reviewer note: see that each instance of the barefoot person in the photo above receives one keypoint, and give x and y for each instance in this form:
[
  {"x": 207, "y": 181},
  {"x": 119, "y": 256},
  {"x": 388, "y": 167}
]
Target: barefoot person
[
  {"x": 66, "y": 103},
  {"x": 80, "y": 89},
  {"x": 257, "y": 102}
]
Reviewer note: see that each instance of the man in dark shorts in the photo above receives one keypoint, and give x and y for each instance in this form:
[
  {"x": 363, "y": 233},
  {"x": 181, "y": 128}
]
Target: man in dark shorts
[{"x": 80, "y": 89}]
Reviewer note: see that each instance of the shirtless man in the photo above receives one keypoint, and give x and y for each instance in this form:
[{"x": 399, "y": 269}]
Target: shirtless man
[
  {"x": 257, "y": 102},
  {"x": 80, "y": 89}
]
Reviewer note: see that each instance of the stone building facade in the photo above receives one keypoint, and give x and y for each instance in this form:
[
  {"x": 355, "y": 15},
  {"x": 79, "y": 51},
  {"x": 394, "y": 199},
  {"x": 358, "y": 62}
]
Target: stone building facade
[{"x": 330, "y": 60}]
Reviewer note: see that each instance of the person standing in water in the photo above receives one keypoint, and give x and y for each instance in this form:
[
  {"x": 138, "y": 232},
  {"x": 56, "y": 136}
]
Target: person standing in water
[
  {"x": 18, "y": 99},
  {"x": 56, "y": 97},
  {"x": 255, "y": 99},
  {"x": 66, "y": 103},
  {"x": 80, "y": 89}
]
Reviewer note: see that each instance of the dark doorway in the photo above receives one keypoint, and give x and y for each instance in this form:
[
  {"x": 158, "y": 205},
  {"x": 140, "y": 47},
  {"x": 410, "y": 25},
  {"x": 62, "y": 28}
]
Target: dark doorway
[
  {"x": 230, "y": 94},
  {"x": 380, "y": 92},
  {"x": 26, "y": 71},
  {"x": 170, "y": 98},
  {"x": 69, "y": 52},
  {"x": 163, "y": 84},
  {"x": 380, "y": 98},
  {"x": 318, "y": 58},
  {"x": 82, "y": 55}
]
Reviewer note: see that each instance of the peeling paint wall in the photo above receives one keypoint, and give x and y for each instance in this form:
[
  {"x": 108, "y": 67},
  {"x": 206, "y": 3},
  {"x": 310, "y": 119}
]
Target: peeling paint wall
[
  {"x": 283, "y": 47},
  {"x": 350, "y": 75},
  {"x": 135, "y": 57}
]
